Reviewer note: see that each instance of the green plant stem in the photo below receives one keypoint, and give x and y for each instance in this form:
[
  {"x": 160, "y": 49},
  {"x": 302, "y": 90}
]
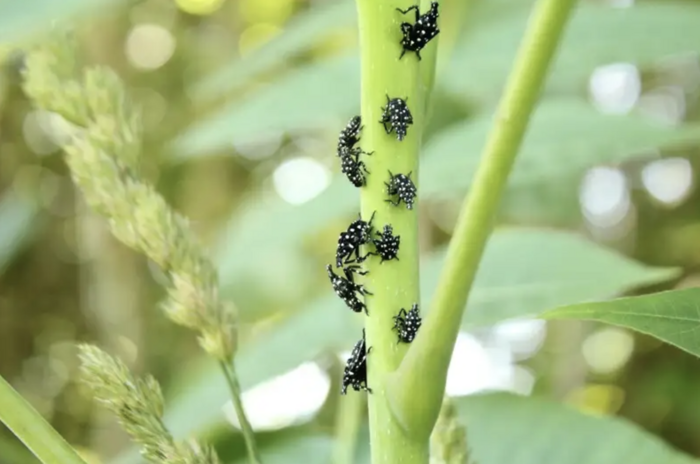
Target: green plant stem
[
  {"x": 347, "y": 426},
  {"x": 246, "y": 429},
  {"x": 34, "y": 431},
  {"x": 424, "y": 369},
  {"x": 394, "y": 284}
]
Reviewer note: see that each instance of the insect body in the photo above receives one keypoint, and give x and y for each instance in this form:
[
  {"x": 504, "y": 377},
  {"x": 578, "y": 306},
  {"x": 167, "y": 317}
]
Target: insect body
[
  {"x": 356, "y": 368},
  {"x": 417, "y": 35},
  {"x": 347, "y": 289},
  {"x": 353, "y": 168},
  {"x": 387, "y": 244},
  {"x": 349, "y": 136},
  {"x": 397, "y": 115},
  {"x": 407, "y": 324},
  {"x": 359, "y": 233},
  {"x": 402, "y": 186}
]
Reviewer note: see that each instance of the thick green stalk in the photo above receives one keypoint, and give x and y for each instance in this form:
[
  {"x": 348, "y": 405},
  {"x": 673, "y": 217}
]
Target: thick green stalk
[
  {"x": 247, "y": 430},
  {"x": 30, "y": 427},
  {"x": 424, "y": 369},
  {"x": 394, "y": 284}
]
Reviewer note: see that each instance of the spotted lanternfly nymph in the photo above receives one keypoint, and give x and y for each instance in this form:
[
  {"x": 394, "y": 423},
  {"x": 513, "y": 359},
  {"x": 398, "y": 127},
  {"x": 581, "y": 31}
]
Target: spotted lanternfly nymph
[
  {"x": 349, "y": 136},
  {"x": 407, "y": 324},
  {"x": 397, "y": 115},
  {"x": 359, "y": 233},
  {"x": 356, "y": 368},
  {"x": 353, "y": 168},
  {"x": 387, "y": 244},
  {"x": 402, "y": 186},
  {"x": 417, "y": 35},
  {"x": 347, "y": 289}
]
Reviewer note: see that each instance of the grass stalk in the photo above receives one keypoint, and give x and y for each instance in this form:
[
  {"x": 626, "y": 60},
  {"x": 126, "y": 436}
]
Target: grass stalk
[{"x": 33, "y": 430}]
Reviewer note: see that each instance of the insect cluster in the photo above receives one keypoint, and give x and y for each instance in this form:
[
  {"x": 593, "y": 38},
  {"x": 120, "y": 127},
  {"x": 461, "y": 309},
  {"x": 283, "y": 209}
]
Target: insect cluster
[{"x": 360, "y": 234}]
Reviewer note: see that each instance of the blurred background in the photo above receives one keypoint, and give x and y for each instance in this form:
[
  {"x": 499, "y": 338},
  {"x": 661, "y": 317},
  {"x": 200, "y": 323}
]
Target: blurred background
[{"x": 242, "y": 102}]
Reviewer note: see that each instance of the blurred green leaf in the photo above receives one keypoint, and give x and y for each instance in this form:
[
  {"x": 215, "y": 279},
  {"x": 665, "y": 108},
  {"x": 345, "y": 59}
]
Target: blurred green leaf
[
  {"x": 303, "y": 336},
  {"x": 506, "y": 429},
  {"x": 321, "y": 95},
  {"x": 304, "y": 31},
  {"x": 315, "y": 449},
  {"x": 525, "y": 271},
  {"x": 566, "y": 137},
  {"x": 672, "y": 316},
  {"x": 516, "y": 279},
  {"x": 304, "y": 99},
  {"x": 19, "y": 20},
  {"x": 597, "y": 34},
  {"x": 17, "y": 218}
]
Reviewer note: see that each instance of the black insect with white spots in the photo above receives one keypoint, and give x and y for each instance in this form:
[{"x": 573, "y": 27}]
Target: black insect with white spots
[
  {"x": 353, "y": 168},
  {"x": 417, "y": 35},
  {"x": 401, "y": 186},
  {"x": 397, "y": 115},
  {"x": 347, "y": 289},
  {"x": 355, "y": 374},
  {"x": 387, "y": 244},
  {"x": 359, "y": 233},
  {"x": 407, "y": 324},
  {"x": 349, "y": 137}
]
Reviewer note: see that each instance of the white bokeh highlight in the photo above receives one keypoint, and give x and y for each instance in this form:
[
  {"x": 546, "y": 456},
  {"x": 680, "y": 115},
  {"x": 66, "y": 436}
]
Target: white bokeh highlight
[
  {"x": 669, "y": 180},
  {"x": 299, "y": 180},
  {"x": 149, "y": 46},
  {"x": 615, "y": 88},
  {"x": 608, "y": 349},
  {"x": 604, "y": 196},
  {"x": 287, "y": 399}
]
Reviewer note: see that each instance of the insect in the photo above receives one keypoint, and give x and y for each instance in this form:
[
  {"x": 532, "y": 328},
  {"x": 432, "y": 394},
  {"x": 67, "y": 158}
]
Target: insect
[
  {"x": 417, "y": 35},
  {"x": 359, "y": 233},
  {"x": 402, "y": 186},
  {"x": 355, "y": 374},
  {"x": 387, "y": 244},
  {"x": 347, "y": 289},
  {"x": 353, "y": 168},
  {"x": 397, "y": 115},
  {"x": 349, "y": 136},
  {"x": 407, "y": 324}
]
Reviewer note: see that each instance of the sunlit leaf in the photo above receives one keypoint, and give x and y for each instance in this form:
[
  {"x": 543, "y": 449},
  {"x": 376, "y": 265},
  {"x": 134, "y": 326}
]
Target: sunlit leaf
[
  {"x": 504, "y": 429},
  {"x": 672, "y": 316},
  {"x": 597, "y": 34},
  {"x": 527, "y": 270}
]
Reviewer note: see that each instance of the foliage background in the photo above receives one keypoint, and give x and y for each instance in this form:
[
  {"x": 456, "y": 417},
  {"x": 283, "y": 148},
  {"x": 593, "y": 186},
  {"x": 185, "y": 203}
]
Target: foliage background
[{"x": 242, "y": 103}]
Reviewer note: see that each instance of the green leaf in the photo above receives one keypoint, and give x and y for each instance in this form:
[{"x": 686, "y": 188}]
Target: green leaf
[
  {"x": 517, "y": 278},
  {"x": 527, "y": 270},
  {"x": 19, "y": 20},
  {"x": 17, "y": 218},
  {"x": 505, "y": 429},
  {"x": 304, "y": 99},
  {"x": 315, "y": 449},
  {"x": 566, "y": 137},
  {"x": 303, "y": 32},
  {"x": 596, "y": 35},
  {"x": 672, "y": 316}
]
